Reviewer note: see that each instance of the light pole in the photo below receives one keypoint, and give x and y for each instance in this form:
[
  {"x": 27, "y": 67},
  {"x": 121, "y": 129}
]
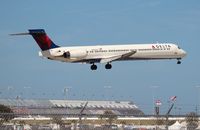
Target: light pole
[
  {"x": 10, "y": 90},
  {"x": 153, "y": 97},
  {"x": 198, "y": 99},
  {"x": 26, "y": 91},
  {"x": 65, "y": 91},
  {"x": 107, "y": 89}
]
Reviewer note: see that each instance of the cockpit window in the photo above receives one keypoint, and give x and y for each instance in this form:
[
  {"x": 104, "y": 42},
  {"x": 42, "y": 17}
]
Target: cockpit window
[{"x": 179, "y": 47}]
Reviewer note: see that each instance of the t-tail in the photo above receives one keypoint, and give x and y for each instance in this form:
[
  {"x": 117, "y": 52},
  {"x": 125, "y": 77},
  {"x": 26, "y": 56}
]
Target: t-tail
[{"x": 40, "y": 36}]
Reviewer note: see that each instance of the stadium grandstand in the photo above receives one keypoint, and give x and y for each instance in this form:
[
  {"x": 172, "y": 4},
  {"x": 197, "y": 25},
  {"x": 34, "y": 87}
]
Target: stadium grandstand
[{"x": 70, "y": 107}]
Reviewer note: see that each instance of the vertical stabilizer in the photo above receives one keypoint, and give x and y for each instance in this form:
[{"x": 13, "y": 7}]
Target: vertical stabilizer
[{"x": 40, "y": 36}]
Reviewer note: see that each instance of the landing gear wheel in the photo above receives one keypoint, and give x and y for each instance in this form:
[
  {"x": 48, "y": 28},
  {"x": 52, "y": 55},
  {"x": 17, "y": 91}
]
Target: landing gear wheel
[
  {"x": 93, "y": 67},
  {"x": 108, "y": 66},
  {"x": 178, "y": 62}
]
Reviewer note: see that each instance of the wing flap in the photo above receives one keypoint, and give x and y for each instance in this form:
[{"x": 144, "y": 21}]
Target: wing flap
[
  {"x": 106, "y": 60},
  {"x": 113, "y": 58}
]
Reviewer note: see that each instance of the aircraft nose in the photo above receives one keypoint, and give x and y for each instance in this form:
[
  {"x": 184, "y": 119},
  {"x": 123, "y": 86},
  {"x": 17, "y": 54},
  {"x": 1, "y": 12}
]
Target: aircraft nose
[{"x": 183, "y": 53}]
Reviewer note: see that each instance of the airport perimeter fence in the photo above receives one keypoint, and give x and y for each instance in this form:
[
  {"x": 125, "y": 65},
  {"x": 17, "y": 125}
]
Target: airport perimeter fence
[
  {"x": 9, "y": 121},
  {"x": 91, "y": 115}
]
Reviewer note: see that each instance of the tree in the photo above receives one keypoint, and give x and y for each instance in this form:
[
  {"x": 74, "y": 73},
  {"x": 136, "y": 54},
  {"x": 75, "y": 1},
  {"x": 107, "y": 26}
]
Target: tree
[
  {"x": 57, "y": 120},
  {"x": 75, "y": 124},
  {"x": 192, "y": 121},
  {"x": 6, "y": 114},
  {"x": 22, "y": 123},
  {"x": 110, "y": 116},
  {"x": 123, "y": 124}
]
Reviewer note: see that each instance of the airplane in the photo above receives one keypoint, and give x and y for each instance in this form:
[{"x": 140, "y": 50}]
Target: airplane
[{"x": 104, "y": 53}]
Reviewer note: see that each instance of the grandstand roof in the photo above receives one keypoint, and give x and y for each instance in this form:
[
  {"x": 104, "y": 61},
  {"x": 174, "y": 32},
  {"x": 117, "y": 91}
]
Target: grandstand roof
[
  {"x": 68, "y": 103},
  {"x": 30, "y": 106},
  {"x": 94, "y": 104}
]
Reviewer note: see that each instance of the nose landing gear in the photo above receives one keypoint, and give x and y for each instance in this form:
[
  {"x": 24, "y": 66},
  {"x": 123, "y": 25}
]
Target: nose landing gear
[{"x": 178, "y": 62}]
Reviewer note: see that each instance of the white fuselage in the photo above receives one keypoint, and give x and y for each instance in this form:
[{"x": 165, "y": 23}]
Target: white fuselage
[{"x": 93, "y": 54}]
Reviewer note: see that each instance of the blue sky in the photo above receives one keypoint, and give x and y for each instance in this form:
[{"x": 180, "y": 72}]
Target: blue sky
[{"x": 89, "y": 22}]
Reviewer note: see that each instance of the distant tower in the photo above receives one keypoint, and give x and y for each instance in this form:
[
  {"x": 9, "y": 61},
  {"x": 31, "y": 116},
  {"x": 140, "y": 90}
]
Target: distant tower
[{"x": 65, "y": 91}]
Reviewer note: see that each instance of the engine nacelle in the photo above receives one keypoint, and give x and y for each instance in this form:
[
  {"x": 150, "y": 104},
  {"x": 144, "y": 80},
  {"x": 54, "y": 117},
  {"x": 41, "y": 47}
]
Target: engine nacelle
[{"x": 75, "y": 54}]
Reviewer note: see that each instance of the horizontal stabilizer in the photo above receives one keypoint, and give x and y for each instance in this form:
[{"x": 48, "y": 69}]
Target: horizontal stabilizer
[
  {"x": 16, "y": 34},
  {"x": 31, "y": 32}
]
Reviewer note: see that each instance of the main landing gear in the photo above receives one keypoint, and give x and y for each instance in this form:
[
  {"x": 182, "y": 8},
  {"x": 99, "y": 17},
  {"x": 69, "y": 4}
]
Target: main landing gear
[
  {"x": 108, "y": 66},
  {"x": 94, "y": 67}
]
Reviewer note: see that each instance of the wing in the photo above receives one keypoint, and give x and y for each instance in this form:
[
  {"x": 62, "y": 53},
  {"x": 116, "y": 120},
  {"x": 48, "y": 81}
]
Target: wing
[{"x": 113, "y": 58}]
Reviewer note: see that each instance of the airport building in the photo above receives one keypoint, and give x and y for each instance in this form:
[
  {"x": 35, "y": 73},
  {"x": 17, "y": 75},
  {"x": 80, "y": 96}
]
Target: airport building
[{"x": 71, "y": 107}]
